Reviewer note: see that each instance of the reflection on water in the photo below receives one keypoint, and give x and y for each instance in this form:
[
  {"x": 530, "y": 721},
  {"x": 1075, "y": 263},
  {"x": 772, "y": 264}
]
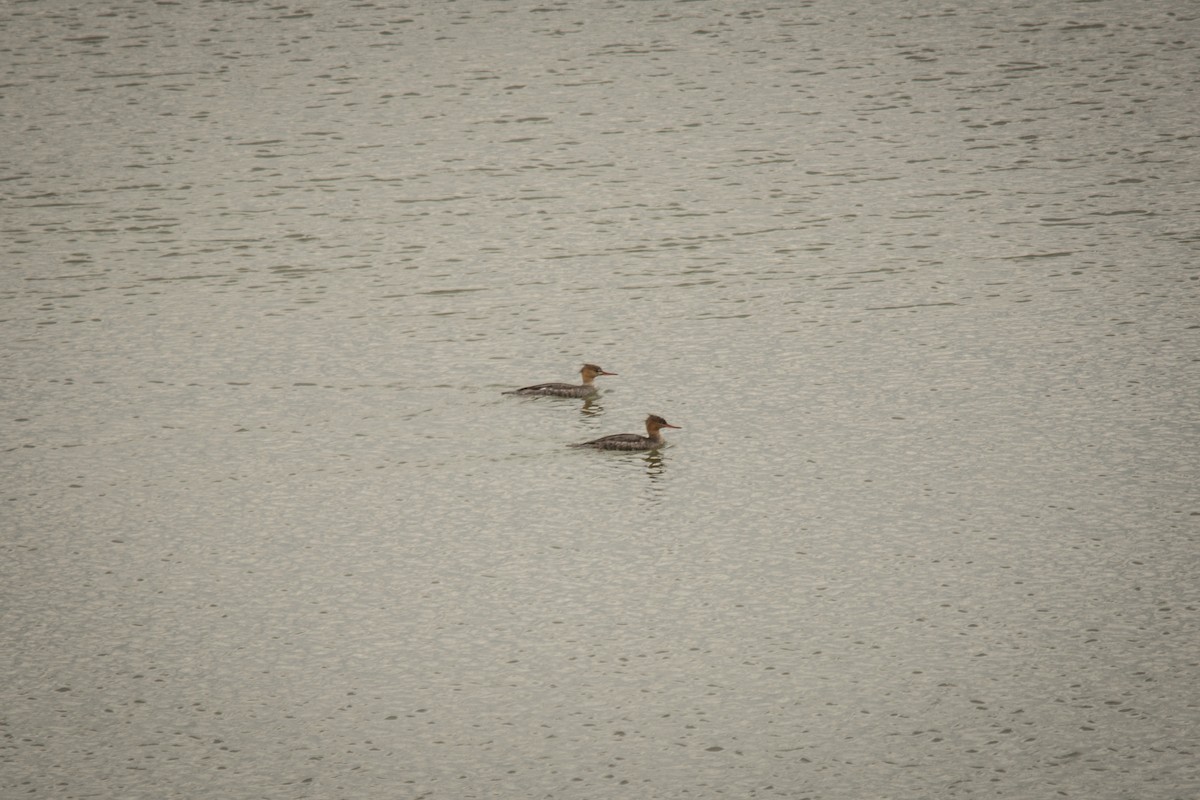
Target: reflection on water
[
  {"x": 655, "y": 464},
  {"x": 588, "y": 406},
  {"x": 591, "y": 407},
  {"x": 640, "y": 474},
  {"x": 921, "y": 286}
]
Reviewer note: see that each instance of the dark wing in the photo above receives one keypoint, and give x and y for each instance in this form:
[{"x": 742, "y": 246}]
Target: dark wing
[
  {"x": 615, "y": 441},
  {"x": 540, "y": 387}
]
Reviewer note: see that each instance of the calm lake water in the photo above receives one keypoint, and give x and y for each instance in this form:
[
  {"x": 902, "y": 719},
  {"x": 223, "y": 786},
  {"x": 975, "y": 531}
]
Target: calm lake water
[{"x": 917, "y": 280}]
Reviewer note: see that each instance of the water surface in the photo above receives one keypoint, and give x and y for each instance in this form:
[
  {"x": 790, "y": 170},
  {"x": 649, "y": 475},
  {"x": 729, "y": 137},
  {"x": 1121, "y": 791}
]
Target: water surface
[{"x": 917, "y": 281}]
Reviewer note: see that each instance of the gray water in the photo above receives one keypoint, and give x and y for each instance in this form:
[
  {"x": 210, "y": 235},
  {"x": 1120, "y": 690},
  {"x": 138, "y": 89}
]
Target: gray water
[{"x": 917, "y": 280}]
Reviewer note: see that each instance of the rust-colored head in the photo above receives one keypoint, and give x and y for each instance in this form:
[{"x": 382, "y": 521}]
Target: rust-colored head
[
  {"x": 655, "y": 422},
  {"x": 590, "y": 371}
]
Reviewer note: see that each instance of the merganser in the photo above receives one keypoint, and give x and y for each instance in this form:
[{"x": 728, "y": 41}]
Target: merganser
[
  {"x": 589, "y": 373},
  {"x": 633, "y": 441}
]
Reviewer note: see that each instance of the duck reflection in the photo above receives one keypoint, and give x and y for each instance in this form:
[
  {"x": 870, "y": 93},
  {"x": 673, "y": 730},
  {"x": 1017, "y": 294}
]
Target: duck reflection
[
  {"x": 655, "y": 464},
  {"x": 591, "y": 407}
]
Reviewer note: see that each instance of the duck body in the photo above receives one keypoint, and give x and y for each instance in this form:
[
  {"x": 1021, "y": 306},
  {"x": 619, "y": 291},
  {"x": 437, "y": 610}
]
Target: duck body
[
  {"x": 633, "y": 441},
  {"x": 586, "y": 389},
  {"x": 556, "y": 390},
  {"x": 624, "y": 441}
]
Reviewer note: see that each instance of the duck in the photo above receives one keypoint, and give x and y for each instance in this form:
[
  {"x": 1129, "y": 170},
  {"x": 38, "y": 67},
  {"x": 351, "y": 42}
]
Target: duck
[
  {"x": 589, "y": 373},
  {"x": 633, "y": 441}
]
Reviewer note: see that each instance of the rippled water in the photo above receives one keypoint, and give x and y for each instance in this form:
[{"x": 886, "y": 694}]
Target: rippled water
[{"x": 917, "y": 281}]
